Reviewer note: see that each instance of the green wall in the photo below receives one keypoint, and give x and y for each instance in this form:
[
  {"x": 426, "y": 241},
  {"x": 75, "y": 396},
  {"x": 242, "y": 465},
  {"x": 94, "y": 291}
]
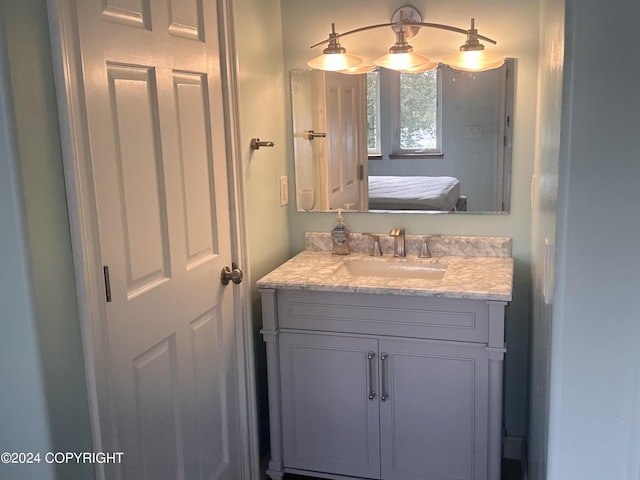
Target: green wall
[
  {"x": 48, "y": 247},
  {"x": 23, "y": 409},
  {"x": 261, "y": 115}
]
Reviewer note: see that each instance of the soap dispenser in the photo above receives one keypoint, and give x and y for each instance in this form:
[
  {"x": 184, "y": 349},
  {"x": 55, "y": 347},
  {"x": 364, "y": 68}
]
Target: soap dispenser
[{"x": 340, "y": 236}]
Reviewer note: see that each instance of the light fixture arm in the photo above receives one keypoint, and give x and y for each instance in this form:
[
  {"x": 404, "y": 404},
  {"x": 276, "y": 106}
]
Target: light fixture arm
[
  {"x": 471, "y": 33},
  {"x": 356, "y": 30}
]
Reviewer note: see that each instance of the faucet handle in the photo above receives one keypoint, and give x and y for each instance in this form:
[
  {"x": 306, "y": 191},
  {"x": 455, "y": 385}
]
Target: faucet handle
[
  {"x": 397, "y": 232},
  {"x": 375, "y": 248},
  {"x": 424, "y": 250}
]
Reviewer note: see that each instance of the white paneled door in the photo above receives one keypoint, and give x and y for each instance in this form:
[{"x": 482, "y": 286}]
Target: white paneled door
[
  {"x": 345, "y": 97},
  {"x": 166, "y": 366},
  {"x": 339, "y": 109}
]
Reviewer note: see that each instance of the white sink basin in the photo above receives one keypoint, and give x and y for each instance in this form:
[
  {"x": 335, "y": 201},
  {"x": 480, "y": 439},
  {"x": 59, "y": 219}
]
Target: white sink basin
[{"x": 426, "y": 269}]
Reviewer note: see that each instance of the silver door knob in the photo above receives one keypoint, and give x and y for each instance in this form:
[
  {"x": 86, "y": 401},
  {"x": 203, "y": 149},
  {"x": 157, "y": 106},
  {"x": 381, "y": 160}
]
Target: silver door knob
[{"x": 233, "y": 274}]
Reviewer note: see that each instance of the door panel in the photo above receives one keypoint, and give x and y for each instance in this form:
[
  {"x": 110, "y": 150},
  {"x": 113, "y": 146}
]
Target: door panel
[
  {"x": 155, "y": 386},
  {"x": 210, "y": 400},
  {"x": 433, "y": 419},
  {"x": 133, "y": 13},
  {"x": 140, "y": 176},
  {"x": 185, "y": 18},
  {"x": 329, "y": 423},
  {"x": 195, "y": 161}
]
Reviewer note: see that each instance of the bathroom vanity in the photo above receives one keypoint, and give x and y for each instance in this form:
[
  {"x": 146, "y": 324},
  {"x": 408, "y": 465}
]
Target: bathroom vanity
[{"x": 385, "y": 367}]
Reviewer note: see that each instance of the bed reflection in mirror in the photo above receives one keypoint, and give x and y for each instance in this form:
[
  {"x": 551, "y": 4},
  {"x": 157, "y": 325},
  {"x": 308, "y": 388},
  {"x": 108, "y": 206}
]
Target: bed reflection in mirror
[{"x": 438, "y": 142}]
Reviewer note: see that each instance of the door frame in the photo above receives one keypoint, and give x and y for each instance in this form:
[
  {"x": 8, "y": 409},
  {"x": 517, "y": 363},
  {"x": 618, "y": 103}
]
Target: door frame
[{"x": 84, "y": 227}]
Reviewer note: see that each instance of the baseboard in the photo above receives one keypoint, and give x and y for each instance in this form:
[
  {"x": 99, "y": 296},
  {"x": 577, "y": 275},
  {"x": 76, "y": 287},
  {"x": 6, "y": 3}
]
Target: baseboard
[{"x": 512, "y": 447}]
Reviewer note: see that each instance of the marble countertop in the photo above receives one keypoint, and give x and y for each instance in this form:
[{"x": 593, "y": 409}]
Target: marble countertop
[{"x": 470, "y": 277}]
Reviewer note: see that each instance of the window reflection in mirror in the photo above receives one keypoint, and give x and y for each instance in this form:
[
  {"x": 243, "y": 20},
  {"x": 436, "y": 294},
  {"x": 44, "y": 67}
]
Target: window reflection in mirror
[
  {"x": 407, "y": 106},
  {"x": 437, "y": 141},
  {"x": 373, "y": 114}
]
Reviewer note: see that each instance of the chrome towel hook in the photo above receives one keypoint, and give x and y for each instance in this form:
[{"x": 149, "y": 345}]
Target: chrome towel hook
[
  {"x": 310, "y": 134},
  {"x": 256, "y": 144}
]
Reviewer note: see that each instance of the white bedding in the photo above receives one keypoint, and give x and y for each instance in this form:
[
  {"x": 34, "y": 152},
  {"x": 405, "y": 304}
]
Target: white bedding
[{"x": 413, "y": 193}]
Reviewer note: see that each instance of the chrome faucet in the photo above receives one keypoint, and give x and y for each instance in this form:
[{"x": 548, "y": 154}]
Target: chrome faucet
[{"x": 398, "y": 242}]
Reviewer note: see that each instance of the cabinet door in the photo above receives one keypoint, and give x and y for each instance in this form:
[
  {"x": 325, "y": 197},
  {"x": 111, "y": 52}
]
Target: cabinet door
[
  {"x": 329, "y": 422},
  {"x": 433, "y": 410}
]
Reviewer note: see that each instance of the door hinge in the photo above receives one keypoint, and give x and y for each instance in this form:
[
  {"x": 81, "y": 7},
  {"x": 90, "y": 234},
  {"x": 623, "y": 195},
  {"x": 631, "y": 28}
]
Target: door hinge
[
  {"x": 107, "y": 283},
  {"x": 360, "y": 172}
]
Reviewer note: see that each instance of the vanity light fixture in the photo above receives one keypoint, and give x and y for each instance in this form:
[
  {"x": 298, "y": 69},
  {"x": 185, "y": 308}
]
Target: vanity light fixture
[
  {"x": 406, "y": 22},
  {"x": 401, "y": 57},
  {"x": 335, "y": 56},
  {"x": 472, "y": 57}
]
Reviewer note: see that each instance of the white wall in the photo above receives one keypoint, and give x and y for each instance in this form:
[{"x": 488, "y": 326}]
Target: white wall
[
  {"x": 594, "y": 430},
  {"x": 544, "y": 227},
  {"x": 515, "y": 26}
]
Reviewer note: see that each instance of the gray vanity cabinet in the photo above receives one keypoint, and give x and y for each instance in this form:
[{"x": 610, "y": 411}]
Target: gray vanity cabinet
[
  {"x": 433, "y": 421},
  {"x": 384, "y": 386},
  {"x": 328, "y": 422}
]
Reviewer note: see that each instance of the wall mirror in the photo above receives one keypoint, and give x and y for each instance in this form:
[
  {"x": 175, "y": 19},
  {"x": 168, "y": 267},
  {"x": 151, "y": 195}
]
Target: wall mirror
[{"x": 437, "y": 142}]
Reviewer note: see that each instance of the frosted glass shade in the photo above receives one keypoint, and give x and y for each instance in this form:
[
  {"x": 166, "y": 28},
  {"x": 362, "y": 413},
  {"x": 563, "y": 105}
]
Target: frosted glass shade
[
  {"x": 364, "y": 67},
  {"x": 473, "y": 60},
  {"x": 427, "y": 67},
  {"x": 334, "y": 61},
  {"x": 404, "y": 61}
]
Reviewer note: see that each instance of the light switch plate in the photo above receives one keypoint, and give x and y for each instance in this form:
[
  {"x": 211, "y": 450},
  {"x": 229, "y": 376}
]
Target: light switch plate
[
  {"x": 473, "y": 132},
  {"x": 284, "y": 191}
]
